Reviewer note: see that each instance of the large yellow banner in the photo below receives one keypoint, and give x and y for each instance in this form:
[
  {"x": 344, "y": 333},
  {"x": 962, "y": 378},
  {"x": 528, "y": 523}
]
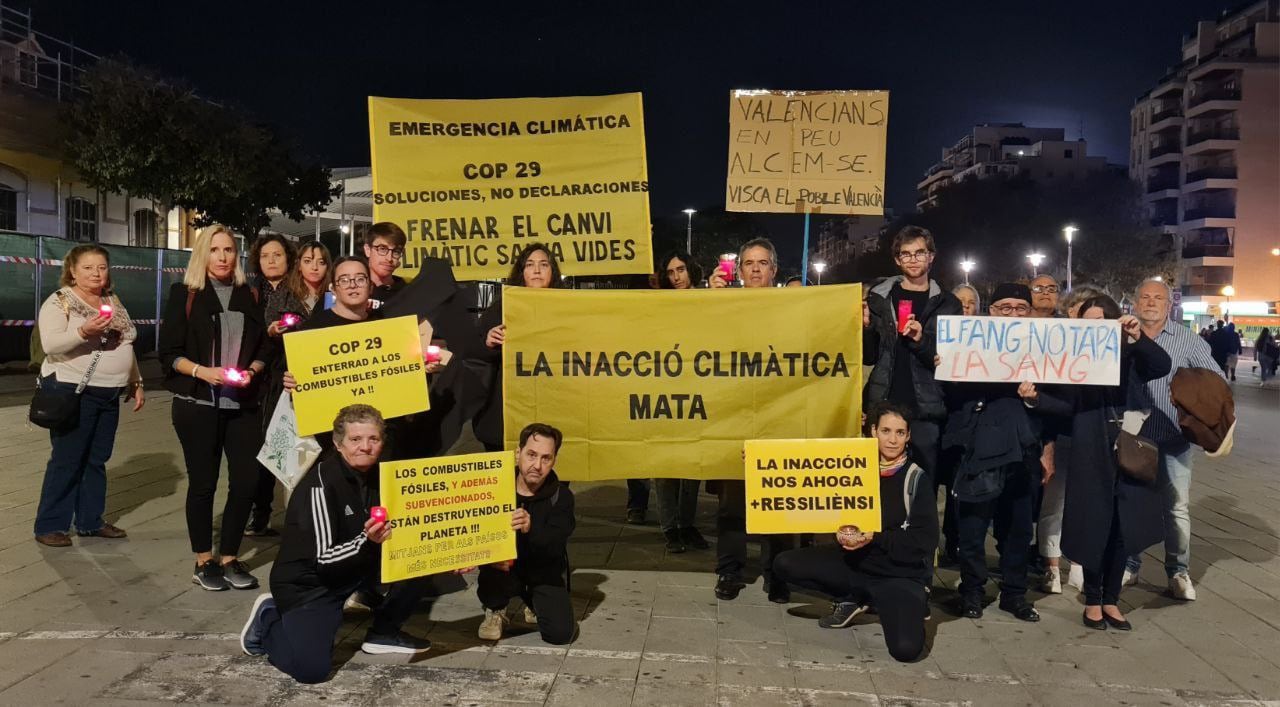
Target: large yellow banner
[
  {"x": 447, "y": 513},
  {"x": 807, "y": 151},
  {"x": 812, "y": 485},
  {"x": 669, "y": 383},
  {"x": 473, "y": 182},
  {"x": 377, "y": 363}
]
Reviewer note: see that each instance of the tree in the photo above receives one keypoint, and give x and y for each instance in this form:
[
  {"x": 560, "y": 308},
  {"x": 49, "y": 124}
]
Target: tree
[{"x": 151, "y": 136}]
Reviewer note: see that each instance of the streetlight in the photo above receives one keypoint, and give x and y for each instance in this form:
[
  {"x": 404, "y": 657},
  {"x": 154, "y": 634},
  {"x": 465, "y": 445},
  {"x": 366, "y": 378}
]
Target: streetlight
[
  {"x": 1069, "y": 231},
  {"x": 688, "y": 234},
  {"x": 1228, "y": 292},
  {"x": 967, "y": 266},
  {"x": 1275, "y": 251},
  {"x": 818, "y": 267},
  {"x": 1036, "y": 259}
]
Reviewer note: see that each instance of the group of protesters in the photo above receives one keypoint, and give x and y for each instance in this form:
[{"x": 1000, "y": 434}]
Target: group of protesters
[{"x": 1035, "y": 465}]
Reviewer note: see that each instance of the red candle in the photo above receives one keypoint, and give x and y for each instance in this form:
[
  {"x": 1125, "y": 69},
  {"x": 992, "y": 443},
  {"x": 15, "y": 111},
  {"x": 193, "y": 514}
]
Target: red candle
[
  {"x": 232, "y": 375},
  {"x": 105, "y": 311},
  {"x": 904, "y": 313},
  {"x": 432, "y": 354},
  {"x": 288, "y": 319},
  {"x": 378, "y": 514},
  {"x": 726, "y": 265}
]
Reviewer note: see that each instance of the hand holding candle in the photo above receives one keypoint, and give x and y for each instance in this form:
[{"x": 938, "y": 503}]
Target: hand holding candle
[
  {"x": 432, "y": 354},
  {"x": 105, "y": 311},
  {"x": 234, "y": 377},
  {"x": 378, "y": 514},
  {"x": 727, "y": 261},
  {"x": 288, "y": 320}
]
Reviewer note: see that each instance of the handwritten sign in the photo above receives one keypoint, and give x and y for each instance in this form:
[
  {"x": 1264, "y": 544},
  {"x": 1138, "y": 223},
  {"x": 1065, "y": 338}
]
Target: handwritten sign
[
  {"x": 474, "y": 181},
  {"x": 378, "y": 363},
  {"x": 807, "y": 151},
  {"x": 812, "y": 485},
  {"x": 1016, "y": 349},
  {"x": 447, "y": 513}
]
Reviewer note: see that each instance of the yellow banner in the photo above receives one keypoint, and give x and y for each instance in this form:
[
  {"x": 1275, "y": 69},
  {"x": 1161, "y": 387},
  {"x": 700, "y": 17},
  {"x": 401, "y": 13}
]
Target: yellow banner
[
  {"x": 812, "y": 485},
  {"x": 669, "y": 383},
  {"x": 377, "y": 363},
  {"x": 473, "y": 182},
  {"x": 447, "y": 513},
  {"x": 807, "y": 151}
]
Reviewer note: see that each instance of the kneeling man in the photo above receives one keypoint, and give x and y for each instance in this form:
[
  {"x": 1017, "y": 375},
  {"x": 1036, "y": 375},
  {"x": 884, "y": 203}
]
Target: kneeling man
[
  {"x": 331, "y": 548},
  {"x": 884, "y": 570},
  {"x": 543, "y": 521}
]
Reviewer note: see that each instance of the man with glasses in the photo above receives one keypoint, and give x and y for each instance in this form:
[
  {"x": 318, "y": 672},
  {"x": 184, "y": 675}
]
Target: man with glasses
[
  {"x": 902, "y": 348},
  {"x": 1044, "y": 296},
  {"x": 384, "y": 249},
  {"x": 997, "y": 444}
]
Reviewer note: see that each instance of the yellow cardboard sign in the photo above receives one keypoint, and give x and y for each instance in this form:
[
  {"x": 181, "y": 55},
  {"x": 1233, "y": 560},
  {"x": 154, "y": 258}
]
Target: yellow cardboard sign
[
  {"x": 807, "y": 151},
  {"x": 473, "y": 182},
  {"x": 377, "y": 363},
  {"x": 668, "y": 383},
  {"x": 812, "y": 485},
  {"x": 447, "y": 513}
]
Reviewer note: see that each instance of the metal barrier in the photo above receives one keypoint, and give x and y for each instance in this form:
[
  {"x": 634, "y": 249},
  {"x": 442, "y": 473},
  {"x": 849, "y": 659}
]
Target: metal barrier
[{"x": 30, "y": 267}]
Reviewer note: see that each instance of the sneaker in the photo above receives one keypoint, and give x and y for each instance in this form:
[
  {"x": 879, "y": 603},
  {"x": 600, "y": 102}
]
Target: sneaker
[
  {"x": 265, "y": 531},
  {"x": 842, "y": 614},
  {"x": 1075, "y": 577},
  {"x": 493, "y": 625},
  {"x": 251, "y": 634},
  {"x": 237, "y": 575},
  {"x": 528, "y": 616},
  {"x": 1129, "y": 579},
  {"x": 635, "y": 516},
  {"x": 1052, "y": 583},
  {"x": 1180, "y": 587},
  {"x": 692, "y": 538},
  {"x": 779, "y": 592},
  {"x": 401, "y": 643},
  {"x": 675, "y": 544},
  {"x": 728, "y": 586},
  {"x": 210, "y": 577},
  {"x": 361, "y": 600}
]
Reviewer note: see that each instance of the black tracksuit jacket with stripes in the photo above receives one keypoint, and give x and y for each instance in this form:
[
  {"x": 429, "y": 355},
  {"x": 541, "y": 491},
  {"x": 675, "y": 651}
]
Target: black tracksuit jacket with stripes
[{"x": 324, "y": 551}]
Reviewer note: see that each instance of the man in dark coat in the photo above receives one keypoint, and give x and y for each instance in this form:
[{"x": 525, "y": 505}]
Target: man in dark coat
[{"x": 999, "y": 449}]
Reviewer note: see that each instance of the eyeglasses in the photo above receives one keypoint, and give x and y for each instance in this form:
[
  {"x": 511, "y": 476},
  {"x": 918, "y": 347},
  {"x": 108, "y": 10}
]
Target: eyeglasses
[
  {"x": 352, "y": 281},
  {"x": 1041, "y": 289},
  {"x": 1011, "y": 308},
  {"x": 917, "y": 256},
  {"x": 395, "y": 253}
]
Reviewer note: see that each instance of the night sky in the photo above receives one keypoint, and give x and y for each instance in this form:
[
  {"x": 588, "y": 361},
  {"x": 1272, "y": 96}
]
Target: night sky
[{"x": 307, "y": 66}]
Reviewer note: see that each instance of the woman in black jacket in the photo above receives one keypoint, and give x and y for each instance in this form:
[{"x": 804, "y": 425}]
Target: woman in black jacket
[
  {"x": 1108, "y": 514},
  {"x": 213, "y": 345}
]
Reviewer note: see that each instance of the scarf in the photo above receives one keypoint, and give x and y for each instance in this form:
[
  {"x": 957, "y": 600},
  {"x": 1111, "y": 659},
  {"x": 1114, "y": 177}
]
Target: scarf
[{"x": 888, "y": 469}]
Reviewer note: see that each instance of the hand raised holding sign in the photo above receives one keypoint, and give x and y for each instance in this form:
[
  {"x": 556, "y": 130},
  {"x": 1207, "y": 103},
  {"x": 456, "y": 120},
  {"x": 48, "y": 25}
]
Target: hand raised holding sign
[
  {"x": 1027, "y": 391},
  {"x": 1131, "y": 327},
  {"x": 496, "y": 336}
]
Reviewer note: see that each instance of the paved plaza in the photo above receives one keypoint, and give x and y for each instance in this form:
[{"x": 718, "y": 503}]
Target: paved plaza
[{"x": 119, "y": 622}]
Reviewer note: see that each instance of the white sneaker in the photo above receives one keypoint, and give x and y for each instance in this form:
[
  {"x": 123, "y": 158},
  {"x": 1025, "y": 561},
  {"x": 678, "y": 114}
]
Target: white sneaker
[
  {"x": 1129, "y": 579},
  {"x": 1052, "y": 581},
  {"x": 1075, "y": 577},
  {"x": 493, "y": 625},
  {"x": 528, "y": 616},
  {"x": 1181, "y": 588}
]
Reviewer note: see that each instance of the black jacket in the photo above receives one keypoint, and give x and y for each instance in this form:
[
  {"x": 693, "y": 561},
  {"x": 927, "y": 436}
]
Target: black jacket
[
  {"x": 993, "y": 433},
  {"x": 908, "y": 536},
  {"x": 542, "y": 554},
  {"x": 1095, "y": 484},
  {"x": 880, "y": 339},
  {"x": 324, "y": 551},
  {"x": 194, "y": 338}
]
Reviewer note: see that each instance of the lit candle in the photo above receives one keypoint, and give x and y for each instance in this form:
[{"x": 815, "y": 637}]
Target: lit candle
[
  {"x": 378, "y": 514},
  {"x": 105, "y": 311},
  {"x": 288, "y": 319},
  {"x": 433, "y": 354},
  {"x": 726, "y": 265},
  {"x": 231, "y": 375}
]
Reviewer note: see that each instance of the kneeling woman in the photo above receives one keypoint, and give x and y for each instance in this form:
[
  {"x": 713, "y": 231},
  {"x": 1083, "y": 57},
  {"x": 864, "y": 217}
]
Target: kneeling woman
[{"x": 884, "y": 569}]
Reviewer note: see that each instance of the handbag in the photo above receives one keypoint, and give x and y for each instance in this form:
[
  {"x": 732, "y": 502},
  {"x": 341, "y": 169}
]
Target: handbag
[
  {"x": 57, "y": 409},
  {"x": 1138, "y": 457}
]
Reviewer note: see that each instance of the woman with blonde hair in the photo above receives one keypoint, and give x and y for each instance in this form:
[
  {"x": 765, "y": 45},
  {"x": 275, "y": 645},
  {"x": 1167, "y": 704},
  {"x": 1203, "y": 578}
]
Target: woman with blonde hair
[
  {"x": 87, "y": 338},
  {"x": 213, "y": 345}
]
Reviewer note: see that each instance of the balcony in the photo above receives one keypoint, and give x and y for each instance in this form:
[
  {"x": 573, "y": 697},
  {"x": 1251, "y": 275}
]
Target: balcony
[
  {"x": 1204, "y": 289},
  {"x": 1171, "y": 83},
  {"x": 1211, "y": 179},
  {"x": 1162, "y": 184},
  {"x": 1207, "y": 212},
  {"x": 1170, "y": 148},
  {"x": 1212, "y": 142},
  {"x": 1213, "y": 102},
  {"x": 1211, "y": 173},
  {"x": 1208, "y": 255},
  {"x": 1168, "y": 119}
]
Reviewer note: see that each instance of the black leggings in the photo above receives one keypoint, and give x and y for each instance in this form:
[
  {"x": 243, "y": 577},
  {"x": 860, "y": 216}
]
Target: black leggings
[
  {"x": 901, "y": 603},
  {"x": 1102, "y": 584},
  {"x": 206, "y": 435}
]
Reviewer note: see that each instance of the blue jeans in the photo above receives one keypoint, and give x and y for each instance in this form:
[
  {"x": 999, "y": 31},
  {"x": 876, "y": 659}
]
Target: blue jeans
[
  {"x": 1175, "y": 486},
  {"x": 75, "y": 480}
]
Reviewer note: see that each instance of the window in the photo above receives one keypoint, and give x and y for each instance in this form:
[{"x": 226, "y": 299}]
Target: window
[
  {"x": 1068, "y": 153},
  {"x": 144, "y": 228},
  {"x": 28, "y": 69},
  {"x": 8, "y": 208},
  {"x": 82, "y": 219}
]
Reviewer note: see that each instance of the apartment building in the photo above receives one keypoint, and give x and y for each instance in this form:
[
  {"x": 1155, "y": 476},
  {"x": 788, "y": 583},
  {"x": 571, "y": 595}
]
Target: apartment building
[
  {"x": 845, "y": 239},
  {"x": 1205, "y": 146}
]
